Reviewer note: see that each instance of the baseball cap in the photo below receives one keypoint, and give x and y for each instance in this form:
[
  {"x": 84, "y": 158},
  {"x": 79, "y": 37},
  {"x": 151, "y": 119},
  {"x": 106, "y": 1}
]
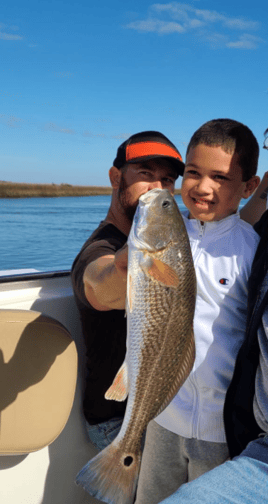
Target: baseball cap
[{"x": 148, "y": 145}]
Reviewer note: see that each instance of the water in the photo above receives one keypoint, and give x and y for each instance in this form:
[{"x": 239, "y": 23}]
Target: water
[{"x": 46, "y": 234}]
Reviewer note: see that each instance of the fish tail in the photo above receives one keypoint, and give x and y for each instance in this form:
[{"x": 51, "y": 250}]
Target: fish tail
[{"x": 111, "y": 476}]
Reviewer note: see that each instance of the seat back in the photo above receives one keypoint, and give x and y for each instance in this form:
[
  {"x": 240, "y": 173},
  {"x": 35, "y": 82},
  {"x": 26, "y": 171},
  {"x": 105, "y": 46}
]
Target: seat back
[{"x": 38, "y": 372}]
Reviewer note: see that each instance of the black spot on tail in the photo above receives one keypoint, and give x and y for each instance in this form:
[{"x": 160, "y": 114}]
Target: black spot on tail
[{"x": 128, "y": 461}]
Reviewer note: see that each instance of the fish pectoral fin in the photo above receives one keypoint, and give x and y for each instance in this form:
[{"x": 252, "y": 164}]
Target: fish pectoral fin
[
  {"x": 160, "y": 271},
  {"x": 118, "y": 391}
]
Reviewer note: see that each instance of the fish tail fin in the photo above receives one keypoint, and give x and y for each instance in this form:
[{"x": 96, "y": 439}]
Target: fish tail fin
[{"x": 111, "y": 476}]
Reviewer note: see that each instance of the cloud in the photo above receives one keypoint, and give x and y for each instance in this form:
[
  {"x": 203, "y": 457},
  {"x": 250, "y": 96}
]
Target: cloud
[
  {"x": 156, "y": 26},
  {"x": 5, "y": 35},
  {"x": 9, "y": 36},
  {"x": 10, "y": 27},
  {"x": 241, "y": 24},
  {"x": 181, "y": 11},
  {"x": 120, "y": 136},
  {"x": 91, "y": 135},
  {"x": 216, "y": 40},
  {"x": 180, "y": 18},
  {"x": 10, "y": 120},
  {"x": 245, "y": 42},
  {"x": 57, "y": 129}
]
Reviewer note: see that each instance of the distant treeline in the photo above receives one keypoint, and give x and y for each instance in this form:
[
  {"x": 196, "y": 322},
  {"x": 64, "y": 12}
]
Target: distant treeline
[{"x": 20, "y": 190}]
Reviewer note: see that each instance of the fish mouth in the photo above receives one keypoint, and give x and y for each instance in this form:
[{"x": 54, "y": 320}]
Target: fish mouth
[{"x": 150, "y": 195}]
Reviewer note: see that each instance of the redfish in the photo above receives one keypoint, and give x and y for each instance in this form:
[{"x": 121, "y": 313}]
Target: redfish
[{"x": 161, "y": 289}]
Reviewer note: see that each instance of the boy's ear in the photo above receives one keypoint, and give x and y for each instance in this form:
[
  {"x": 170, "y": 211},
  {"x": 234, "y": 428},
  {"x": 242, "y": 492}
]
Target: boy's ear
[
  {"x": 115, "y": 177},
  {"x": 251, "y": 185}
]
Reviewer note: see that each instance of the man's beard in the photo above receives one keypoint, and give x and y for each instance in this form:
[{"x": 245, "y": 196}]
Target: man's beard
[{"x": 129, "y": 210}]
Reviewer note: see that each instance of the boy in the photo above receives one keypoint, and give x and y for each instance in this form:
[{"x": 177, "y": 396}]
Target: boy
[
  {"x": 244, "y": 479},
  {"x": 187, "y": 438}
]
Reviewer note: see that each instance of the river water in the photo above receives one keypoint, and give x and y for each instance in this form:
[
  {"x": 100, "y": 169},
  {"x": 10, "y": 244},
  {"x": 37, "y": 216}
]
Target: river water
[{"x": 47, "y": 233}]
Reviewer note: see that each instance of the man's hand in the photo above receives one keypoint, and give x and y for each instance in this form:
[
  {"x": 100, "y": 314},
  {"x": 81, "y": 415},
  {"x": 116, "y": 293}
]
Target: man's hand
[
  {"x": 120, "y": 262},
  {"x": 256, "y": 206},
  {"x": 105, "y": 281}
]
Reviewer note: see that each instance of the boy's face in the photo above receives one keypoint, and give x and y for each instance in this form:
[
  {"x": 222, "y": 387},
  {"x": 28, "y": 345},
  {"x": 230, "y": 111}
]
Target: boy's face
[{"x": 212, "y": 185}]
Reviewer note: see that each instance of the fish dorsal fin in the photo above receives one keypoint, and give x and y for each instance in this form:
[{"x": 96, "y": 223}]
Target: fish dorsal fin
[
  {"x": 160, "y": 271},
  {"x": 118, "y": 391}
]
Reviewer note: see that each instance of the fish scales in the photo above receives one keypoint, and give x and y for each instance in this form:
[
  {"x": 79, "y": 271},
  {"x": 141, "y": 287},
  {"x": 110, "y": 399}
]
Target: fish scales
[
  {"x": 160, "y": 344},
  {"x": 162, "y": 325}
]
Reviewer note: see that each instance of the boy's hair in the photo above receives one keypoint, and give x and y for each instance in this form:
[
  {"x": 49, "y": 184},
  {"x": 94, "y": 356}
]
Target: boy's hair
[{"x": 232, "y": 136}]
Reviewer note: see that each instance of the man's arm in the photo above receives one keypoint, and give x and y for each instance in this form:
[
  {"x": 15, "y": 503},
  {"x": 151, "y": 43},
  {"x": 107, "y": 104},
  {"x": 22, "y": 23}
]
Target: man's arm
[
  {"x": 105, "y": 281},
  {"x": 256, "y": 206}
]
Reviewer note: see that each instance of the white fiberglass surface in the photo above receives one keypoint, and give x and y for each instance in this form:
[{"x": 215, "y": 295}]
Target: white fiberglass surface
[{"x": 48, "y": 475}]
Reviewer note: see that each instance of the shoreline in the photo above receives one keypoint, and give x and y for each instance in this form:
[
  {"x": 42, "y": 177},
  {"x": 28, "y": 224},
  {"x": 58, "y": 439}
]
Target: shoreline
[{"x": 24, "y": 190}]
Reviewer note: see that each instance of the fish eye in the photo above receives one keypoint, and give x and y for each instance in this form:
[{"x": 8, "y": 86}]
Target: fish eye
[{"x": 166, "y": 204}]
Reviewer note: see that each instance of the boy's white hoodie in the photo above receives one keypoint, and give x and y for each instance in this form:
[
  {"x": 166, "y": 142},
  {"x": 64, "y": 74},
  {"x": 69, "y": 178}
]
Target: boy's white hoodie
[{"x": 223, "y": 252}]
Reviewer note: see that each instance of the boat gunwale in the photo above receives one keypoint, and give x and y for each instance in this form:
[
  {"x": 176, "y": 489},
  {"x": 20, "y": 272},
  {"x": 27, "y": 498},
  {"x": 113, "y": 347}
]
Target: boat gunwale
[{"x": 40, "y": 275}]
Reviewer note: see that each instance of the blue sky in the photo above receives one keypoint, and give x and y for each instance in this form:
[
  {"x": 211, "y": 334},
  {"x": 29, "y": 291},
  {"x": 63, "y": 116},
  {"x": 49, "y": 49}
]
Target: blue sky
[{"x": 78, "y": 77}]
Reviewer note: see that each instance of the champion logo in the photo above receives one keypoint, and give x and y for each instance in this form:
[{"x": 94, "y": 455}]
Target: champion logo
[{"x": 224, "y": 281}]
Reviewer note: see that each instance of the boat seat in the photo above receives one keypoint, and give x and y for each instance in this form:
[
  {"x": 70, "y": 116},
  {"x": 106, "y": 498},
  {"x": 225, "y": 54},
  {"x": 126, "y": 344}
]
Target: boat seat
[{"x": 38, "y": 373}]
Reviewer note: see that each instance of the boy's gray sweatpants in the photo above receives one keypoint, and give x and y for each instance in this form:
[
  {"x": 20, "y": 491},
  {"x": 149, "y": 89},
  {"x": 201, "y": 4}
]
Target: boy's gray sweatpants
[{"x": 170, "y": 460}]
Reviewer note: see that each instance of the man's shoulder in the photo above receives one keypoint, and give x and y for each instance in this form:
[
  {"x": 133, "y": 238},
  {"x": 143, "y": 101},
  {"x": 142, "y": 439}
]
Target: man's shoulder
[
  {"x": 106, "y": 232},
  {"x": 105, "y": 240}
]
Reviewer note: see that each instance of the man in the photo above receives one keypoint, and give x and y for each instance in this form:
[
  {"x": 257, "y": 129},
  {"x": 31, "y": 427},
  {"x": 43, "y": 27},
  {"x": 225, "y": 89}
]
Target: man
[{"x": 145, "y": 161}]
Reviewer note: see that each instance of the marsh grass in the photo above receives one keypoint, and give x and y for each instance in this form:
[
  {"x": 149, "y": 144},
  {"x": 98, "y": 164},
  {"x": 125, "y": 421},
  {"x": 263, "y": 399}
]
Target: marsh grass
[{"x": 22, "y": 190}]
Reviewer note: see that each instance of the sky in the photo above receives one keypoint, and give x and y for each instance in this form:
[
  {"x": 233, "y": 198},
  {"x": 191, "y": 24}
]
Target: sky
[{"x": 77, "y": 78}]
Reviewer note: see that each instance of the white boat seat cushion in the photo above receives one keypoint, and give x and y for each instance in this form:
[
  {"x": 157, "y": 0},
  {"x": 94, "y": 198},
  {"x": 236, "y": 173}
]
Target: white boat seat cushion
[{"x": 38, "y": 372}]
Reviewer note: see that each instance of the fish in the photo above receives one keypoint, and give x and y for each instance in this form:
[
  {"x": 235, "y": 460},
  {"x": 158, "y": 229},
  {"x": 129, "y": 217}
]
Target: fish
[{"x": 161, "y": 292}]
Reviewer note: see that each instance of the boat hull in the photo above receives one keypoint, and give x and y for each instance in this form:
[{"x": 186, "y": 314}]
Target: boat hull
[{"x": 48, "y": 475}]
